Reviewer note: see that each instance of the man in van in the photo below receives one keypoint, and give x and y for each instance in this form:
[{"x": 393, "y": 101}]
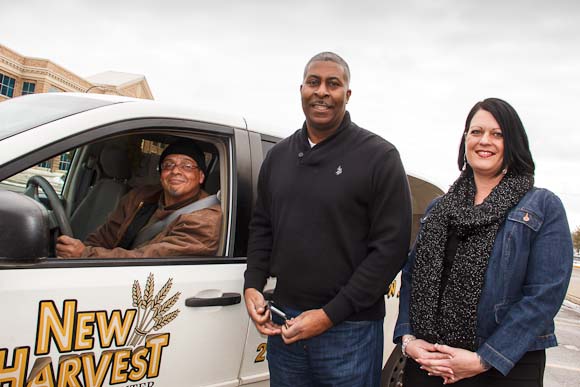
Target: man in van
[
  {"x": 177, "y": 219},
  {"x": 332, "y": 223}
]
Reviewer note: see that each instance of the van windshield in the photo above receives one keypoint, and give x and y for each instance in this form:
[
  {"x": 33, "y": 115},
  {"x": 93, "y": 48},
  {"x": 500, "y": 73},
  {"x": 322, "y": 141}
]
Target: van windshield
[{"x": 20, "y": 114}]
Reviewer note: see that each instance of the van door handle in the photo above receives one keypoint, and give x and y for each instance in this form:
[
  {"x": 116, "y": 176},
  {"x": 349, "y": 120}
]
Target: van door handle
[{"x": 224, "y": 300}]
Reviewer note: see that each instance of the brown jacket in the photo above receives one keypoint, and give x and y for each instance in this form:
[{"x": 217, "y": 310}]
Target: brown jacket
[{"x": 193, "y": 234}]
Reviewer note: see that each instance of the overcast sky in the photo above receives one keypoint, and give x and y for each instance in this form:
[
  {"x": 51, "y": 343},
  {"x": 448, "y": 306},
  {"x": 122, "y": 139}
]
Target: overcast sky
[{"x": 417, "y": 66}]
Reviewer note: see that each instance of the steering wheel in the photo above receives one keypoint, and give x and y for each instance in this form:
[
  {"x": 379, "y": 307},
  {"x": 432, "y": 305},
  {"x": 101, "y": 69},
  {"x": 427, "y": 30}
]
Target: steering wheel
[{"x": 58, "y": 213}]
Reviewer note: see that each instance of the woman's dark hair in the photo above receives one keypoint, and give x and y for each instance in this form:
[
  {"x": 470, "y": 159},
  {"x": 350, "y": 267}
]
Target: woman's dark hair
[{"x": 517, "y": 157}]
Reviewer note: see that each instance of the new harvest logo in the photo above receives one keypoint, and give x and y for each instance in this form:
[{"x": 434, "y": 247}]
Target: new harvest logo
[{"x": 131, "y": 351}]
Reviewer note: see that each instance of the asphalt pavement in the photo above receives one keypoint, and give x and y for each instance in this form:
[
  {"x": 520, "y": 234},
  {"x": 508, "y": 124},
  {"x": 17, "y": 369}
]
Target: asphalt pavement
[
  {"x": 574, "y": 287},
  {"x": 563, "y": 361}
]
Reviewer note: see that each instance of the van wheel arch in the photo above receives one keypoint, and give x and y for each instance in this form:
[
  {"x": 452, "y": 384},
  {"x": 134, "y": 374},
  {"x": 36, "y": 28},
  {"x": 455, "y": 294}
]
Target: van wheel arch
[{"x": 392, "y": 374}]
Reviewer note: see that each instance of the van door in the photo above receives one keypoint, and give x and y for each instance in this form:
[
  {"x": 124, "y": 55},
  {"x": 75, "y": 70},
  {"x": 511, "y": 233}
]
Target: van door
[
  {"x": 254, "y": 365},
  {"x": 172, "y": 325},
  {"x": 171, "y": 322}
]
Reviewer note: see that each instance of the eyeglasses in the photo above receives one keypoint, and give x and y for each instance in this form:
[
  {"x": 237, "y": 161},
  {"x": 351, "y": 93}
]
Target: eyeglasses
[{"x": 186, "y": 166}]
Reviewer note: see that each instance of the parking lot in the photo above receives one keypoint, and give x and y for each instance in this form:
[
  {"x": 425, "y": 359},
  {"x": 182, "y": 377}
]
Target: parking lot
[{"x": 563, "y": 362}]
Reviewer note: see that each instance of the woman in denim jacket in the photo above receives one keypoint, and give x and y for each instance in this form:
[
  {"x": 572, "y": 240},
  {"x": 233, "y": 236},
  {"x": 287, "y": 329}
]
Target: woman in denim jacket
[{"x": 490, "y": 267}]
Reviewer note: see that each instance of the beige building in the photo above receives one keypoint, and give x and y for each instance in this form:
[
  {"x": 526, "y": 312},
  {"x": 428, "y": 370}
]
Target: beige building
[{"x": 20, "y": 75}]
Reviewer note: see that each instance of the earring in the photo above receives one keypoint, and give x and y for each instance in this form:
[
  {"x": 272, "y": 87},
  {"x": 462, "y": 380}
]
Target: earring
[
  {"x": 504, "y": 171},
  {"x": 464, "y": 162}
]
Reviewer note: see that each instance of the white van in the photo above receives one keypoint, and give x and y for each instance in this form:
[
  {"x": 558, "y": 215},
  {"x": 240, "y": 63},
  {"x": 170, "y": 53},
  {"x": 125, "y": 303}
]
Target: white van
[{"x": 65, "y": 160}]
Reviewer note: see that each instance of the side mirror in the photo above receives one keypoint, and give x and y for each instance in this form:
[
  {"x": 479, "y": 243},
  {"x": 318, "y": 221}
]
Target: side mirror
[{"x": 24, "y": 227}]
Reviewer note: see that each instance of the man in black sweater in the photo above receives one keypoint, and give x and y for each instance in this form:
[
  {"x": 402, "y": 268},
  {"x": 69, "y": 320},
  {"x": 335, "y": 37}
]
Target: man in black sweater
[{"x": 332, "y": 223}]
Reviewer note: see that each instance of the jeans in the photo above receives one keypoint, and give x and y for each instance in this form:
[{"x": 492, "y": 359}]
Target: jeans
[{"x": 349, "y": 354}]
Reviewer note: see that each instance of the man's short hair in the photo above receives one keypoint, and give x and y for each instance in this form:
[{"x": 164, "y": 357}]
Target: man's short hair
[
  {"x": 185, "y": 147},
  {"x": 328, "y": 56}
]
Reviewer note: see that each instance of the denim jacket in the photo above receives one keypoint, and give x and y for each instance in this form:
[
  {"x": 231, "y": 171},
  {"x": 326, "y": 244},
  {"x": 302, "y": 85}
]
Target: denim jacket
[{"x": 525, "y": 284}]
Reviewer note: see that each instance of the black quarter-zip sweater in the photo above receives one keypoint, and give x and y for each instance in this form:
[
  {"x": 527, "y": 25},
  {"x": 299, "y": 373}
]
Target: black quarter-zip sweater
[{"x": 332, "y": 223}]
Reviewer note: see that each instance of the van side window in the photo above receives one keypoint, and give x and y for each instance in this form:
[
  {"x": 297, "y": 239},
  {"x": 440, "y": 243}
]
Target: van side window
[
  {"x": 87, "y": 189},
  {"x": 54, "y": 170}
]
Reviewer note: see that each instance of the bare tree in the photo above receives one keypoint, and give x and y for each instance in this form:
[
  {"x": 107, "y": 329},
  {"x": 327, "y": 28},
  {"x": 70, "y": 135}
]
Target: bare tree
[{"x": 576, "y": 239}]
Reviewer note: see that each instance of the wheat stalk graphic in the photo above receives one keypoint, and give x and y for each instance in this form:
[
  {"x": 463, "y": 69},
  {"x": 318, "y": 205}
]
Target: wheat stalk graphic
[{"x": 151, "y": 310}]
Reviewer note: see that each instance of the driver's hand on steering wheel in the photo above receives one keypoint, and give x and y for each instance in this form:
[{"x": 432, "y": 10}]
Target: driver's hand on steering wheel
[{"x": 67, "y": 247}]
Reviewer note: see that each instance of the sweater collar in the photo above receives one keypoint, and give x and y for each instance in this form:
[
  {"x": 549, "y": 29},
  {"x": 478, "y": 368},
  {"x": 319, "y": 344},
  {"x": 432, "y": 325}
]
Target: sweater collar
[{"x": 341, "y": 128}]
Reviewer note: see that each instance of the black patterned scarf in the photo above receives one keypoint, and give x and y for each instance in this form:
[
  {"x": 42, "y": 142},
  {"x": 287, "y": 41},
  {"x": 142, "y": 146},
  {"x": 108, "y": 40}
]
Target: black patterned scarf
[{"x": 449, "y": 316}]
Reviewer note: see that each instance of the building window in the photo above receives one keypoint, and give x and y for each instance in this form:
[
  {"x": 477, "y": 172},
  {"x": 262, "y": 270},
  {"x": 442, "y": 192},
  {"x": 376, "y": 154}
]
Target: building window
[
  {"x": 7, "y": 85},
  {"x": 45, "y": 164},
  {"x": 28, "y": 88},
  {"x": 64, "y": 161},
  {"x": 54, "y": 89}
]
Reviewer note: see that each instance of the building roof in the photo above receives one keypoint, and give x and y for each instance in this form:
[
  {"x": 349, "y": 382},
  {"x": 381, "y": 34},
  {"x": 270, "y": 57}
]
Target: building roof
[
  {"x": 115, "y": 78},
  {"x": 50, "y": 77}
]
